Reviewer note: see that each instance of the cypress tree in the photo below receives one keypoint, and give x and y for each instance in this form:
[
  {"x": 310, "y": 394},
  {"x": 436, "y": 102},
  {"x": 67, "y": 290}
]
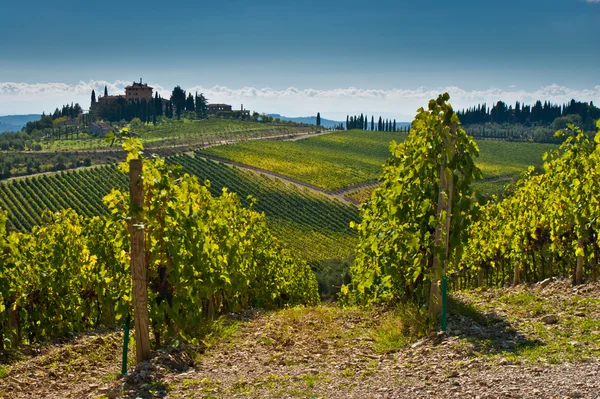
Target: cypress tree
[
  {"x": 318, "y": 119},
  {"x": 105, "y": 91},
  {"x": 347, "y": 123},
  {"x": 372, "y": 122},
  {"x": 93, "y": 96}
]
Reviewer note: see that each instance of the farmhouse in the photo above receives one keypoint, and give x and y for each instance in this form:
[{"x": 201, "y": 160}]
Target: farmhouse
[
  {"x": 135, "y": 91},
  {"x": 100, "y": 128},
  {"x": 138, "y": 91},
  {"x": 212, "y": 109}
]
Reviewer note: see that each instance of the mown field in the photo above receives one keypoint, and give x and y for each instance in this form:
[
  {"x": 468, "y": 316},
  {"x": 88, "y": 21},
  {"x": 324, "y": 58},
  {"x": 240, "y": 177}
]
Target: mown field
[
  {"x": 313, "y": 225},
  {"x": 338, "y": 160},
  {"x": 181, "y": 132}
]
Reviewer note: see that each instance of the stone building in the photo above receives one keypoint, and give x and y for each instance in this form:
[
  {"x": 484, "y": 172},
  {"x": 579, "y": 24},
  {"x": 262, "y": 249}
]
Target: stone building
[
  {"x": 212, "y": 109},
  {"x": 138, "y": 91}
]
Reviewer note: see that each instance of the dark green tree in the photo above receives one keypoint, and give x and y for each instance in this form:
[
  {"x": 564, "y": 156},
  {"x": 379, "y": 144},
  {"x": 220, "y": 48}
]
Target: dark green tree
[
  {"x": 93, "y": 96},
  {"x": 178, "y": 100},
  {"x": 189, "y": 103},
  {"x": 201, "y": 103},
  {"x": 105, "y": 91},
  {"x": 318, "y": 119}
]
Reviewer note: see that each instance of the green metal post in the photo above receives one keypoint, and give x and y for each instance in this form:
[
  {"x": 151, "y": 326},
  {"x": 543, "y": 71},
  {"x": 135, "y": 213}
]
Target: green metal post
[
  {"x": 125, "y": 344},
  {"x": 444, "y": 301}
]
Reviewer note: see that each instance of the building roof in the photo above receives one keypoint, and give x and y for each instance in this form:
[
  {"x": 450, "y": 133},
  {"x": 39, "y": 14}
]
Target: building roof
[
  {"x": 218, "y": 105},
  {"x": 104, "y": 127},
  {"x": 136, "y": 85}
]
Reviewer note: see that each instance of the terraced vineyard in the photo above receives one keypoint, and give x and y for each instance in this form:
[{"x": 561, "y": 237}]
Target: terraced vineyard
[
  {"x": 339, "y": 160},
  {"x": 314, "y": 225}
]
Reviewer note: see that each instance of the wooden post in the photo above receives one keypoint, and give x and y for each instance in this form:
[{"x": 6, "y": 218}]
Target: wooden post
[
  {"x": 516, "y": 275},
  {"x": 138, "y": 266},
  {"x": 444, "y": 204}
]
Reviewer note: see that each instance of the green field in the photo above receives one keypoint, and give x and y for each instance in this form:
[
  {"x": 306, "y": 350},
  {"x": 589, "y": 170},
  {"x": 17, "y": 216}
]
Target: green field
[
  {"x": 182, "y": 132},
  {"x": 339, "y": 160},
  {"x": 331, "y": 161},
  {"x": 311, "y": 224}
]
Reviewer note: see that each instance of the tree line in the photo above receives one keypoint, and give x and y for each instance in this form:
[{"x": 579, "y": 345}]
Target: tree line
[
  {"x": 382, "y": 125},
  {"x": 539, "y": 114}
]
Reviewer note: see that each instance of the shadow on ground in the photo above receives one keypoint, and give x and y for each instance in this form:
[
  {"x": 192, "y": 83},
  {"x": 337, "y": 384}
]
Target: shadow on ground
[{"x": 485, "y": 333}]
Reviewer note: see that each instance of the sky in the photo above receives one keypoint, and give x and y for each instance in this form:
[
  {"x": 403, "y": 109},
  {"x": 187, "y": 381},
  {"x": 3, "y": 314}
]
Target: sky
[{"x": 298, "y": 58}]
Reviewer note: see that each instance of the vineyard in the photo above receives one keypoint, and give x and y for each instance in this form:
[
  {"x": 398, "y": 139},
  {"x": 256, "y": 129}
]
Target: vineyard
[
  {"x": 172, "y": 132},
  {"x": 332, "y": 161},
  {"x": 339, "y": 160},
  {"x": 313, "y": 225},
  {"x": 205, "y": 255},
  {"x": 216, "y": 252}
]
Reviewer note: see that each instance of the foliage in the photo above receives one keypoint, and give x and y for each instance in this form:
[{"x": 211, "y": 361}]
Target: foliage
[
  {"x": 539, "y": 114},
  {"x": 396, "y": 247},
  {"x": 204, "y": 255},
  {"x": 67, "y": 275},
  {"x": 546, "y": 222}
]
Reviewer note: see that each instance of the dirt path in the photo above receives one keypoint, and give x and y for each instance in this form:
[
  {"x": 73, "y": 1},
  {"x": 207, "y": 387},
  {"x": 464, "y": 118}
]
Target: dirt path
[{"x": 327, "y": 352}]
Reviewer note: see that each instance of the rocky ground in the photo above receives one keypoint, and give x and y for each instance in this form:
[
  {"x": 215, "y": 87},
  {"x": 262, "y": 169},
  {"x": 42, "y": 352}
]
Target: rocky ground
[{"x": 541, "y": 341}]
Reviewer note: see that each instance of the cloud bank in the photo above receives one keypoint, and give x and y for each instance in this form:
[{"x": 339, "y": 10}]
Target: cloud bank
[{"x": 22, "y": 98}]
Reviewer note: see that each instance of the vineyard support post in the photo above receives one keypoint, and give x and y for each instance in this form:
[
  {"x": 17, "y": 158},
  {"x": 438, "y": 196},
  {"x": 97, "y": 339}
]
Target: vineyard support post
[
  {"x": 125, "y": 345},
  {"x": 444, "y": 301},
  {"x": 138, "y": 264}
]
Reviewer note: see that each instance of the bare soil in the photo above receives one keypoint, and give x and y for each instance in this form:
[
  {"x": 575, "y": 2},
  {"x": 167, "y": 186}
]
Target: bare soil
[{"x": 497, "y": 346}]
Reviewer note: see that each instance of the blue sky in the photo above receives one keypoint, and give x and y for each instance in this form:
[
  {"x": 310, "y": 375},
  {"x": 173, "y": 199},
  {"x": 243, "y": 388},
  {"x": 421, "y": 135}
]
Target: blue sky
[{"x": 475, "y": 46}]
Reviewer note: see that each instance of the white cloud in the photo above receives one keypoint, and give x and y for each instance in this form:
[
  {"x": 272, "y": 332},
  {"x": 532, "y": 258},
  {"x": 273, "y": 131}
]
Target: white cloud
[{"x": 20, "y": 98}]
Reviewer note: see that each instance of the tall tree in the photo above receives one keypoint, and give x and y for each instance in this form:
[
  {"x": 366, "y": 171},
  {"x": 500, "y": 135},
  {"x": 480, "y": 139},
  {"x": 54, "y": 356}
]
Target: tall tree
[
  {"x": 178, "y": 100},
  {"x": 93, "y": 96},
  {"x": 201, "y": 103},
  {"x": 105, "y": 91},
  {"x": 189, "y": 103},
  {"x": 372, "y": 122},
  {"x": 318, "y": 119}
]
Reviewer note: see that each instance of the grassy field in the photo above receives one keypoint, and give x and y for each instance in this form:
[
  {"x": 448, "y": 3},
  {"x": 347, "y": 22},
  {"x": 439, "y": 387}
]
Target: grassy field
[
  {"x": 181, "y": 132},
  {"x": 339, "y": 160}
]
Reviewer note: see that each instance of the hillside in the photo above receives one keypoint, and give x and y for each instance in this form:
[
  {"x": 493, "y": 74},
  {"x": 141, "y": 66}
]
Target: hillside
[
  {"x": 497, "y": 346},
  {"x": 338, "y": 160},
  {"x": 312, "y": 224},
  {"x": 309, "y": 120},
  {"x": 14, "y": 123}
]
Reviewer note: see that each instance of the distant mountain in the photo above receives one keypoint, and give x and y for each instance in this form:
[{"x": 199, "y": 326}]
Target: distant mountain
[
  {"x": 14, "y": 123},
  {"x": 309, "y": 120}
]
